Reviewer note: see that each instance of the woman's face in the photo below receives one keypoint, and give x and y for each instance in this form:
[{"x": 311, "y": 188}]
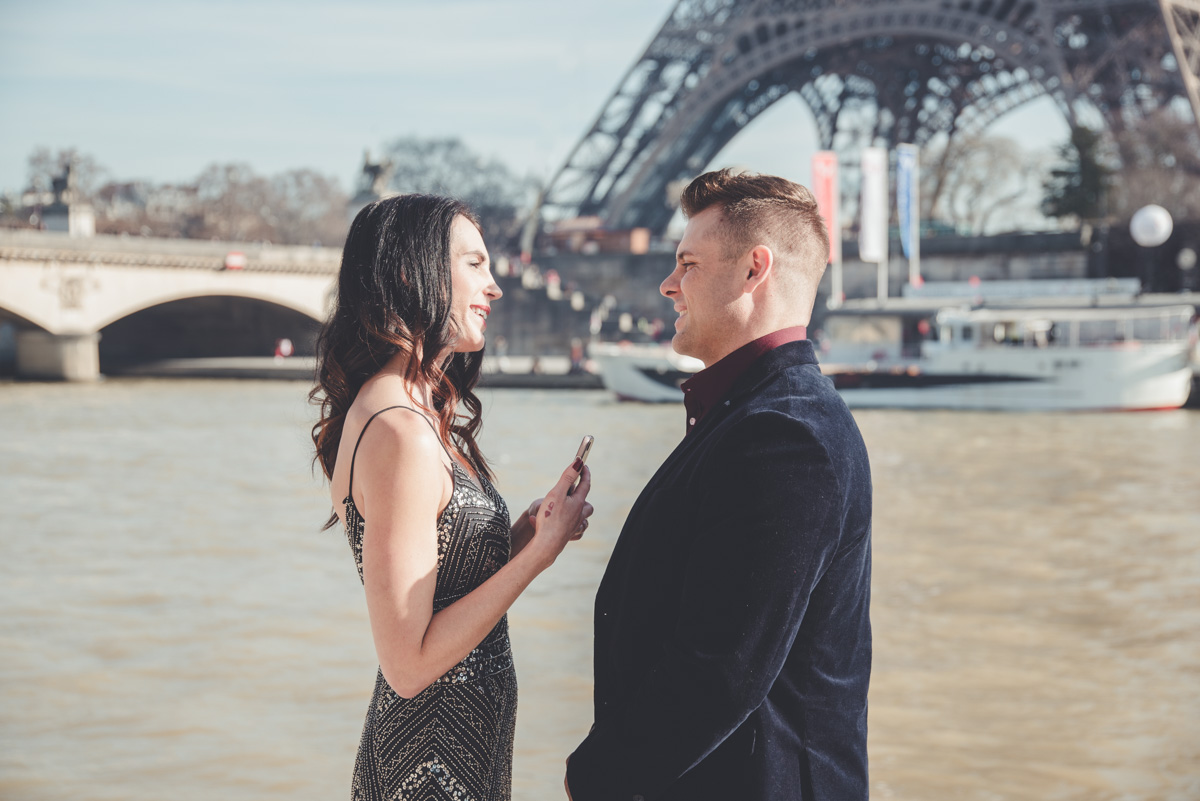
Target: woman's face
[{"x": 471, "y": 285}]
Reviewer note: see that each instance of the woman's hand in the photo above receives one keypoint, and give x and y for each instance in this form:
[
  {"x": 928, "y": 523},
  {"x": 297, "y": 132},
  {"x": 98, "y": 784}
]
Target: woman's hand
[
  {"x": 525, "y": 525},
  {"x": 560, "y": 517}
]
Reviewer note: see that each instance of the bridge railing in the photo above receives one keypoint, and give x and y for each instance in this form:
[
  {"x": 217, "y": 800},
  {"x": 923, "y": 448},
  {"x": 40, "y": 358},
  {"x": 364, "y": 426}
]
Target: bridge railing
[{"x": 186, "y": 254}]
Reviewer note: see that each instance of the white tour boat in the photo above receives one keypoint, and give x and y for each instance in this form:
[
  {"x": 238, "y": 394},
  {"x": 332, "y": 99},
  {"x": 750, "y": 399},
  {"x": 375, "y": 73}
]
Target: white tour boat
[
  {"x": 1028, "y": 358},
  {"x": 902, "y": 355}
]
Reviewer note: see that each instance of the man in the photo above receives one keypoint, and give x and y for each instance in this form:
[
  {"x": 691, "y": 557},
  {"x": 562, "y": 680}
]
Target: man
[{"x": 733, "y": 643}]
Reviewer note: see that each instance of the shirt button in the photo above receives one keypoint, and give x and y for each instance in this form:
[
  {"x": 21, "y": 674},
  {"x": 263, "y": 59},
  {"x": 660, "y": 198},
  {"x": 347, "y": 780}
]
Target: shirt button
[{"x": 691, "y": 422}]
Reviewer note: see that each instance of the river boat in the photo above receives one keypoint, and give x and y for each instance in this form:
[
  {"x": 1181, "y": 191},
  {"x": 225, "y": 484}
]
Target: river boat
[
  {"x": 915, "y": 356},
  {"x": 643, "y": 372},
  {"x": 1022, "y": 358}
]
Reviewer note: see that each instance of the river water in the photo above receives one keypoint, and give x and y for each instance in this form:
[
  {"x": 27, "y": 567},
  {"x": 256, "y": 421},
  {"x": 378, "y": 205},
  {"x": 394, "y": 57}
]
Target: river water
[{"x": 173, "y": 623}]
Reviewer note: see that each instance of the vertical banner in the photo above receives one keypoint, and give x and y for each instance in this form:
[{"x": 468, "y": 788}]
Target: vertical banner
[
  {"x": 873, "y": 213},
  {"x": 828, "y": 192},
  {"x": 908, "y": 203}
]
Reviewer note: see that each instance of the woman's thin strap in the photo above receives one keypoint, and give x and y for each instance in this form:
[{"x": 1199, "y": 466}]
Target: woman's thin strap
[{"x": 350, "y": 489}]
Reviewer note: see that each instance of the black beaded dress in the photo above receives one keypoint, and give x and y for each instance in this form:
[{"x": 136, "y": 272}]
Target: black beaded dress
[{"x": 454, "y": 739}]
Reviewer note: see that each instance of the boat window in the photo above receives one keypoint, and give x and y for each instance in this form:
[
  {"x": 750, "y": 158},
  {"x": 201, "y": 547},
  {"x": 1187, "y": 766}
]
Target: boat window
[
  {"x": 862, "y": 329},
  {"x": 1180, "y": 327},
  {"x": 1097, "y": 332},
  {"x": 968, "y": 333},
  {"x": 1009, "y": 333},
  {"x": 1150, "y": 328}
]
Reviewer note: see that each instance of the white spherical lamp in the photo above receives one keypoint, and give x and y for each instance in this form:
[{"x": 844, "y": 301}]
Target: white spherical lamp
[{"x": 1151, "y": 226}]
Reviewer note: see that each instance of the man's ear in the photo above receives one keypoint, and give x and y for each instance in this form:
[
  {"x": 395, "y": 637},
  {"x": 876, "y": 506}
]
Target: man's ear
[{"x": 762, "y": 261}]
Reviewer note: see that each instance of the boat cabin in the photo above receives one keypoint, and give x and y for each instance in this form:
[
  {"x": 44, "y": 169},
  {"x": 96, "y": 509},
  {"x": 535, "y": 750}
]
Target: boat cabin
[{"x": 1070, "y": 327}]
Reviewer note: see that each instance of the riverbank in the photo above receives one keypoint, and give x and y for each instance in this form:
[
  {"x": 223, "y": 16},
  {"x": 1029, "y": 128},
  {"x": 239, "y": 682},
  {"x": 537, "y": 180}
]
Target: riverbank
[{"x": 517, "y": 372}]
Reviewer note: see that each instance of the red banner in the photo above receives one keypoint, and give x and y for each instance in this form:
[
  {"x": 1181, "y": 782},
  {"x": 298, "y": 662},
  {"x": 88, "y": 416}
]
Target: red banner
[{"x": 825, "y": 187}]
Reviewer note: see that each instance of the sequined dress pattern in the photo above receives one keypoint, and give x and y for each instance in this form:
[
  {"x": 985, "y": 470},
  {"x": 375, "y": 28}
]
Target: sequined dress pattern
[{"x": 454, "y": 739}]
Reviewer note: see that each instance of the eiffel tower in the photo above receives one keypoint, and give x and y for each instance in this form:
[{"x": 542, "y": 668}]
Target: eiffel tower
[{"x": 871, "y": 72}]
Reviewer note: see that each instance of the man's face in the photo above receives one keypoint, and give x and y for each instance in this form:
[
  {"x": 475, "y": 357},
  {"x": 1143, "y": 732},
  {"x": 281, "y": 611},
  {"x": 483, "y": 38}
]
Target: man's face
[{"x": 705, "y": 286}]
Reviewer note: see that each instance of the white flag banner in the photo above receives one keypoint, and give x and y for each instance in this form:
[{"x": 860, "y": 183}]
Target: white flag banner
[
  {"x": 907, "y": 199},
  {"x": 872, "y": 234}
]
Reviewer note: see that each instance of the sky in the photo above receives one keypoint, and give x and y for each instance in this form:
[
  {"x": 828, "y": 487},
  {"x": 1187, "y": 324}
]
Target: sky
[{"x": 160, "y": 90}]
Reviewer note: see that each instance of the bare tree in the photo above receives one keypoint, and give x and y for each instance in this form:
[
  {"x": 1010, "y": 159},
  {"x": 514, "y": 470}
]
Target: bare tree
[
  {"x": 226, "y": 201},
  {"x": 982, "y": 184},
  {"x": 1159, "y": 163},
  {"x": 45, "y": 166},
  {"x": 308, "y": 208},
  {"x": 234, "y": 204},
  {"x": 446, "y": 166}
]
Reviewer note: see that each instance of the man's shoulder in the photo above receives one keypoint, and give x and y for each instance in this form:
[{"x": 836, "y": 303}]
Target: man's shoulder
[
  {"x": 797, "y": 389},
  {"x": 800, "y": 399}
]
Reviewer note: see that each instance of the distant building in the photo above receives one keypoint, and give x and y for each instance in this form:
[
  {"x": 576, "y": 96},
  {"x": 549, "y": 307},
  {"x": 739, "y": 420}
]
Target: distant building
[{"x": 587, "y": 235}]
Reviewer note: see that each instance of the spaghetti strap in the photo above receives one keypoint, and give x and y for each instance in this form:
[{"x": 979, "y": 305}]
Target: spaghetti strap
[{"x": 350, "y": 488}]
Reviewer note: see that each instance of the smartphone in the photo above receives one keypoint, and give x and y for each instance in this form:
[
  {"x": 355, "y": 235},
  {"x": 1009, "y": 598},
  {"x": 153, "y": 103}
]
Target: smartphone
[{"x": 585, "y": 447}]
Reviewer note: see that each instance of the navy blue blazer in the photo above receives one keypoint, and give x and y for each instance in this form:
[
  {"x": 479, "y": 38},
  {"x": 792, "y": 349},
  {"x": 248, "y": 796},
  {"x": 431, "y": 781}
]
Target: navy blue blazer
[{"x": 733, "y": 638}]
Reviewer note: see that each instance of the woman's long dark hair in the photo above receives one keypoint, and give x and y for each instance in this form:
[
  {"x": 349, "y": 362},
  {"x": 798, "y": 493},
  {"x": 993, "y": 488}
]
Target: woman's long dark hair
[{"x": 394, "y": 295}]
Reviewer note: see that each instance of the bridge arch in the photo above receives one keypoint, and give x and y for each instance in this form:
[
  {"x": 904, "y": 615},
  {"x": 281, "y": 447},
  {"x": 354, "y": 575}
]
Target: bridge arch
[
  {"x": 146, "y": 302},
  {"x": 11, "y": 314},
  {"x": 205, "y": 326}
]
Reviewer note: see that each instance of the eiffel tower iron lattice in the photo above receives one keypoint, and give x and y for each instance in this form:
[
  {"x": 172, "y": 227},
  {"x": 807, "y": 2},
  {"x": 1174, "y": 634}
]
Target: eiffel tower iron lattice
[{"x": 871, "y": 71}]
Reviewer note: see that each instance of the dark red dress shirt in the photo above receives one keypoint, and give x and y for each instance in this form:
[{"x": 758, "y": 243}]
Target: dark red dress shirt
[{"x": 709, "y": 387}]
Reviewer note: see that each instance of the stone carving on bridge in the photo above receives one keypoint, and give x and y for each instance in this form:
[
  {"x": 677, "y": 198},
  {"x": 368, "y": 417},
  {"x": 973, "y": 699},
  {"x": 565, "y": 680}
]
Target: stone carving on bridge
[
  {"x": 71, "y": 289},
  {"x": 872, "y": 73},
  {"x": 69, "y": 286}
]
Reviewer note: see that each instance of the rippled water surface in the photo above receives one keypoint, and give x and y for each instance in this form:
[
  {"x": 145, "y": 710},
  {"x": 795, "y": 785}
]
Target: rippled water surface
[{"x": 173, "y": 623}]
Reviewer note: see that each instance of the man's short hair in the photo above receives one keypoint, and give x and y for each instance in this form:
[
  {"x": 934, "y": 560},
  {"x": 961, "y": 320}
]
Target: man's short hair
[{"x": 763, "y": 209}]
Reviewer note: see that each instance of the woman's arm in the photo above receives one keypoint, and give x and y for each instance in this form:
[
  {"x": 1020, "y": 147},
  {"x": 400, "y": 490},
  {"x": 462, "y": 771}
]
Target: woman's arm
[
  {"x": 404, "y": 485},
  {"x": 522, "y": 528}
]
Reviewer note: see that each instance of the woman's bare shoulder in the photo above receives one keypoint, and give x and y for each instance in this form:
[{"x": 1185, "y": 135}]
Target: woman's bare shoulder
[
  {"x": 382, "y": 441},
  {"x": 401, "y": 434}
]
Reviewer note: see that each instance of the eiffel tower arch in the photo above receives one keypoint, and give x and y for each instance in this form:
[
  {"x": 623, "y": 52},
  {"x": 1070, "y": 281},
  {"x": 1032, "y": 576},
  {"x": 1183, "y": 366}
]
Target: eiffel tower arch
[{"x": 871, "y": 72}]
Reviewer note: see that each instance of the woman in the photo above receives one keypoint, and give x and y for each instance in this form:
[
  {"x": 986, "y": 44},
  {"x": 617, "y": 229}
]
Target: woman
[{"x": 438, "y": 560}]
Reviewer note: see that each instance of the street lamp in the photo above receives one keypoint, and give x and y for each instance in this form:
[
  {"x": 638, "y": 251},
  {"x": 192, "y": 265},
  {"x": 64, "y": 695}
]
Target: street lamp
[{"x": 1150, "y": 227}]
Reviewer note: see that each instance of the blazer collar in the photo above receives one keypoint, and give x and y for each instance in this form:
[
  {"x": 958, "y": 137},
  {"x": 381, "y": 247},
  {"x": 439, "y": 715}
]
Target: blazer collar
[
  {"x": 774, "y": 361},
  {"x": 787, "y": 355}
]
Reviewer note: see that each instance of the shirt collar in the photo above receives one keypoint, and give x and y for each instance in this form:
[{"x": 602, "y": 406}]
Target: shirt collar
[{"x": 707, "y": 388}]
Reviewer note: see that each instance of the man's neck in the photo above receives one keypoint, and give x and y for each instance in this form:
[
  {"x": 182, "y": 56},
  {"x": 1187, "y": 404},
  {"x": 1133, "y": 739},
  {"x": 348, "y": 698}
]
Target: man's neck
[{"x": 748, "y": 335}]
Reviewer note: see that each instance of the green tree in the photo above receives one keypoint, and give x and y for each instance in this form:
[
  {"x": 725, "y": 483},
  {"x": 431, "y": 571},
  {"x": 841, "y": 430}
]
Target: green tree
[{"x": 1079, "y": 185}]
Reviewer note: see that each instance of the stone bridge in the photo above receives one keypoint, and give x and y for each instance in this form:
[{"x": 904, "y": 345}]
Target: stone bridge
[{"x": 71, "y": 303}]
